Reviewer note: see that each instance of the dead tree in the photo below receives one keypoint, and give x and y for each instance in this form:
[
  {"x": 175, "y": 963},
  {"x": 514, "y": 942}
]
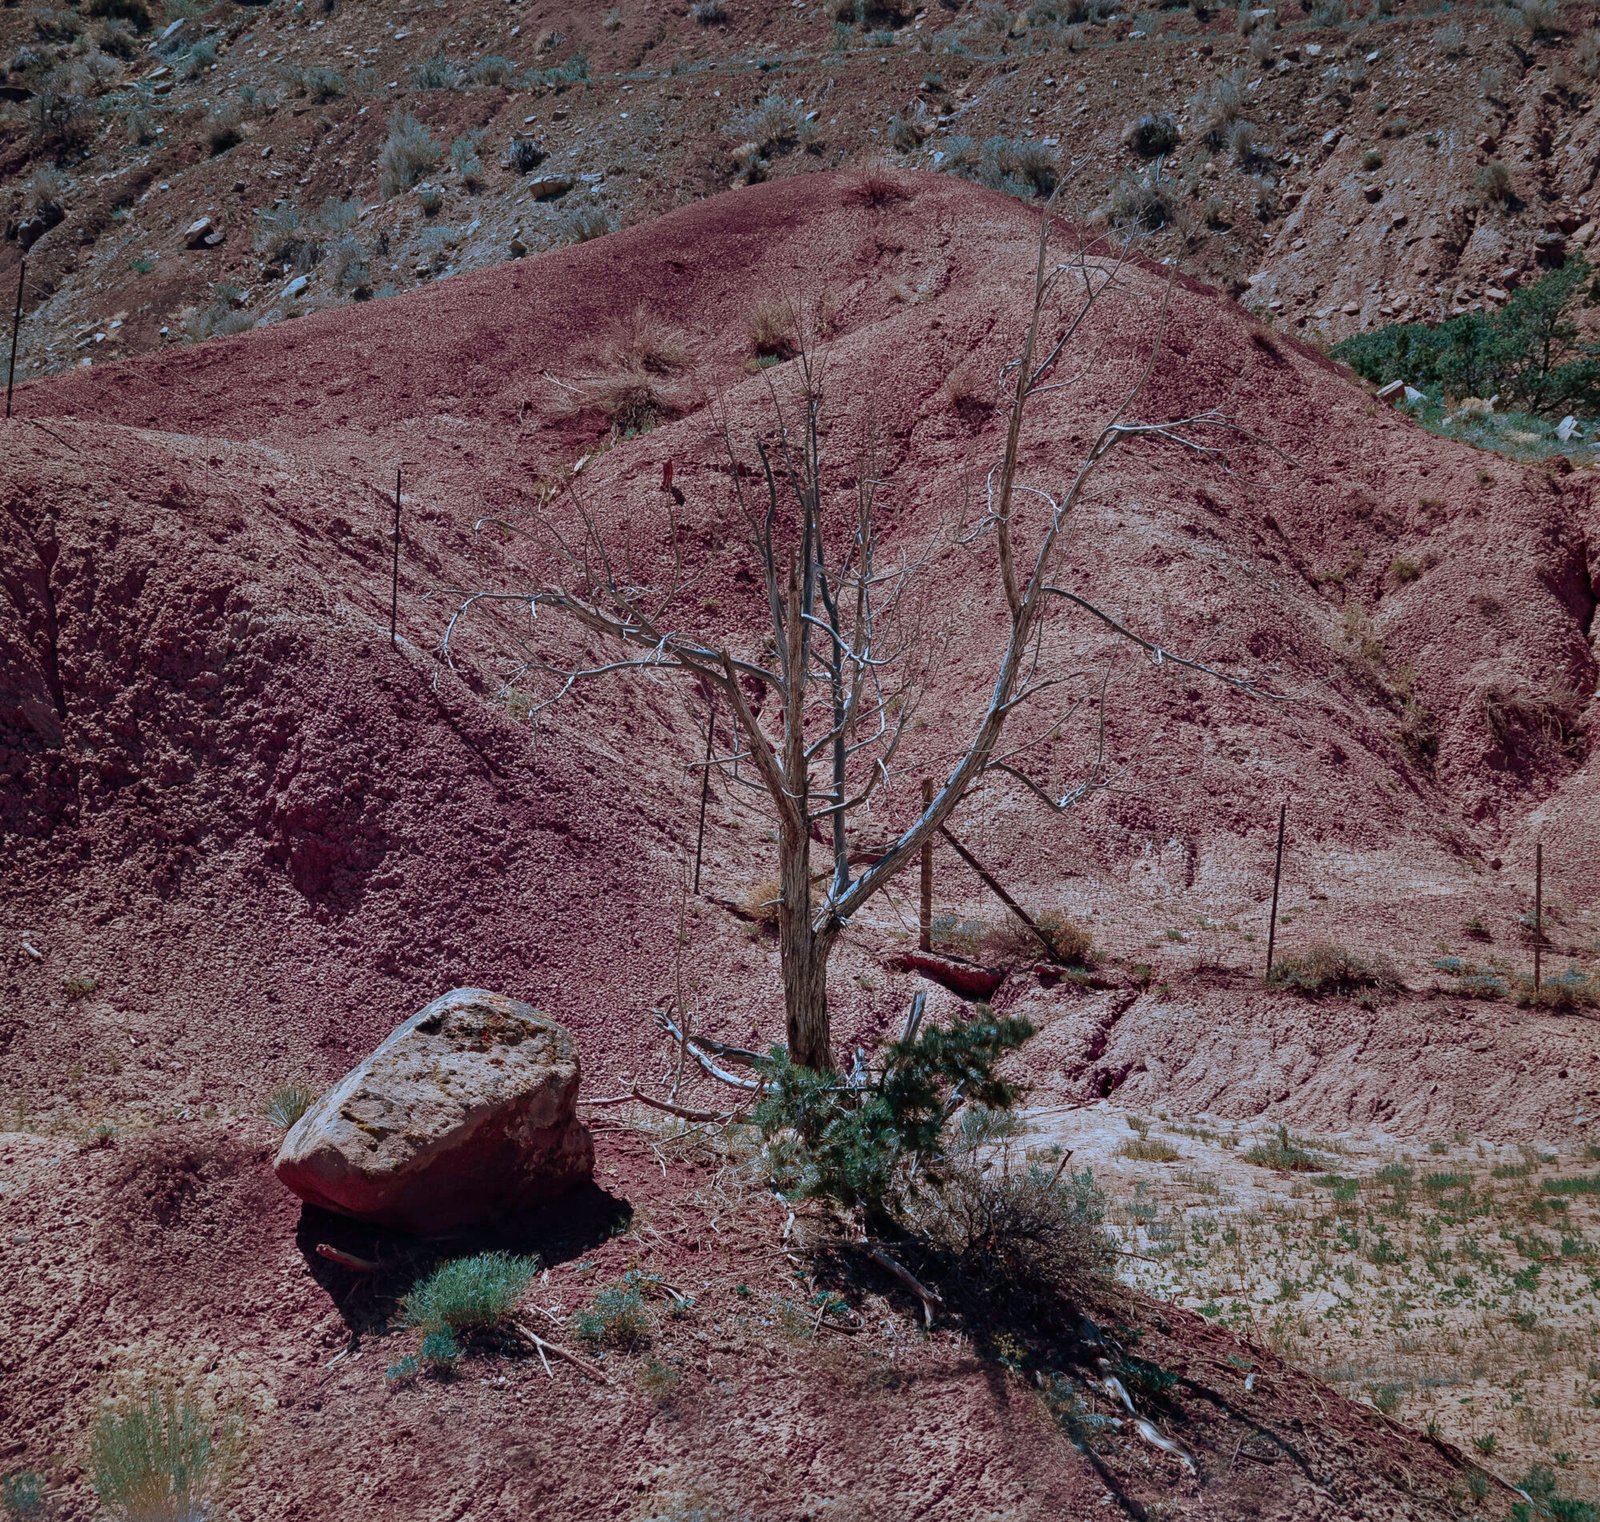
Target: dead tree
[{"x": 851, "y": 645}]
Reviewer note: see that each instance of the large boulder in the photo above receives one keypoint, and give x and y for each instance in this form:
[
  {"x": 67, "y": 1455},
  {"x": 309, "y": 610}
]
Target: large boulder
[{"x": 464, "y": 1117}]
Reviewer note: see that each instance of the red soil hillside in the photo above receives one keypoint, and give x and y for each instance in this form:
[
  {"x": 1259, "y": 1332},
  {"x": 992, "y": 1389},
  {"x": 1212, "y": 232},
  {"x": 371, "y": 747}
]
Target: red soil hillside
[{"x": 244, "y": 835}]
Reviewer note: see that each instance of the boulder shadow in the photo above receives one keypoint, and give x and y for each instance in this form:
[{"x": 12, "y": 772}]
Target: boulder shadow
[{"x": 367, "y": 1270}]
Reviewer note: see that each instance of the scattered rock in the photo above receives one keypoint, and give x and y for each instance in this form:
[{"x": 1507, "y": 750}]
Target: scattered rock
[
  {"x": 296, "y": 288},
  {"x": 464, "y": 1116},
  {"x": 1568, "y": 428},
  {"x": 547, "y": 187},
  {"x": 200, "y": 233},
  {"x": 1550, "y": 249}
]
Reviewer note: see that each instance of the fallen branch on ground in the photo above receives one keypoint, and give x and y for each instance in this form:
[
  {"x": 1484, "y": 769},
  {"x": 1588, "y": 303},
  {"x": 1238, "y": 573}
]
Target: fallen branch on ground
[
  {"x": 931, "y": 1300},
  {"x": 542, "y": 1346}
]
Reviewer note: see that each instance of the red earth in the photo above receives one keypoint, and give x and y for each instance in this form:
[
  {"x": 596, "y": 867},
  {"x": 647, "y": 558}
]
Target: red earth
[{"x": 246, "y": 835}]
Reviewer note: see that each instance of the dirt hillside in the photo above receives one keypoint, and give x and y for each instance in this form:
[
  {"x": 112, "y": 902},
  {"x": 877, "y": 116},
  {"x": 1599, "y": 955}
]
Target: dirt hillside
[{"x": 245, "y": 835}]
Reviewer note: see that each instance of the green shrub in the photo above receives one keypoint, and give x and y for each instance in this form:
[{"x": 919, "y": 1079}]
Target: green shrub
[
  {"x": 409, "y": 152},
  {"x": 287, "y": 1103},
  {"x": 22, "y": 1495},
  {"x": 135, "y": 12},
  {"x": 1326, "y": 967},
  {"x": 476, "y": 1294},
  {"x": 154, "y": 1460},
  {"x": 438, "y": 73},
  {"x": 616, "y": 1319},
  {"x": 861, "y": 1146}
]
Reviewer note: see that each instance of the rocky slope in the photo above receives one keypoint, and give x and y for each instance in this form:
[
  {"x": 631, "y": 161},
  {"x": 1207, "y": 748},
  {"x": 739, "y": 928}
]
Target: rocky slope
[{"x": 207, "y": 169}]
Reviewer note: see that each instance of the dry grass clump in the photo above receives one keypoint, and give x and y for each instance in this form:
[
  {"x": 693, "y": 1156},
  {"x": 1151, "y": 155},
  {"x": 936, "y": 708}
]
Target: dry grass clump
[
  {"x": 1143, "y": 203},
  {"x": 633, "y": 389},
  {"x": 1329, "y": 968},
  {"x": 774, "y": 329},
  {"x": 647, "y": 341},
  {"x": 773, "y": 125},
  {"x": 1033, "y": 1230},
  {"x": 1524, "y": 721},
  {"x": 760, "y": 903},
  {"x": 877, "y": 186},
  {"x": 709, "y": 13},
  {"x": 1493, "y": 183},
  {"x": 1148, "y": 1149},
  {"x": 1217, "y": 109}
]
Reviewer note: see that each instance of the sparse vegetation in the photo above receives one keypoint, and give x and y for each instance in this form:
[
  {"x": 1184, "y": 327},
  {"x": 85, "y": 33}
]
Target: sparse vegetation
[
  {"x": 287, "y": 1103},
  {"x": 709, "y": 13},
  {"x": 409, "y": 153},
  {"x": 774, "y": 329},
  {"x": 1329, "y": 968},
  {"x": 616, "y": 1318},
  {"x": 476, "y": 1294},
  {"x": 155, "y": 1459}
]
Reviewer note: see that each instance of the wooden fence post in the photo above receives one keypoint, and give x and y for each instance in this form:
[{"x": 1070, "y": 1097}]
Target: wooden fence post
[
  {"x": 1277, "y": 877},
  {"x": 16, "y": 323},
  {"x": 1538, "y": 915},
  {"x": 925, "y": 912}
]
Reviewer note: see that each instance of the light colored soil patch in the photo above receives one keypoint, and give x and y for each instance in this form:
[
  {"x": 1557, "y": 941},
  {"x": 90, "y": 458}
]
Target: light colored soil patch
[{"x": 1454, "y": 1285}]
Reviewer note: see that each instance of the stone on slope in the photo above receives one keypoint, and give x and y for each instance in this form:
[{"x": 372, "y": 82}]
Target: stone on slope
[{"x": 464, "y": 1116}]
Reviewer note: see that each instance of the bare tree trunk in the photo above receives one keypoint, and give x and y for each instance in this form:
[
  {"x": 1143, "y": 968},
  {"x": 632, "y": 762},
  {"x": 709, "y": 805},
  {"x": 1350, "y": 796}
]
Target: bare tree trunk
[{"x": 803, "y": 953}]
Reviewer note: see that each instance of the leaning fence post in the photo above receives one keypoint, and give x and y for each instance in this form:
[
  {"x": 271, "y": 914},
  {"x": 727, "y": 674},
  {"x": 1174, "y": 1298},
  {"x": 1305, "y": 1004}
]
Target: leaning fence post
[
  {"x": 16, "y": 323},
  {"x": 925, "y": 912},
  {"x": 1538, "y": 914},
  {"x": 394, "y": 584},
  {"x": 705, "y": 789},
  {"x": 1277, "y": 877}
]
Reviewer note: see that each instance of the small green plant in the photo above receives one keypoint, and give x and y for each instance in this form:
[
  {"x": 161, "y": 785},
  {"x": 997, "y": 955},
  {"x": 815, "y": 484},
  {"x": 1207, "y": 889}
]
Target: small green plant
[
  {"x": 1486, "y": 1443},
  {"x": 154, "y": 1459},
  {"x": 401, "y": 1373},
  {"x": 476, "y": 1294},
  {"x": 22, "y": 1495},
  {"x": 1285, "y": 1153},
  {"x": 287, "y": 1103},
  {"x": 1372, "y": 159},
  {"x": 439, "y": 1352},
  {"x": 659, "y": 1380},
  {"x": 79, "y": 985},
  {"x": 616, "y": 1319}
]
